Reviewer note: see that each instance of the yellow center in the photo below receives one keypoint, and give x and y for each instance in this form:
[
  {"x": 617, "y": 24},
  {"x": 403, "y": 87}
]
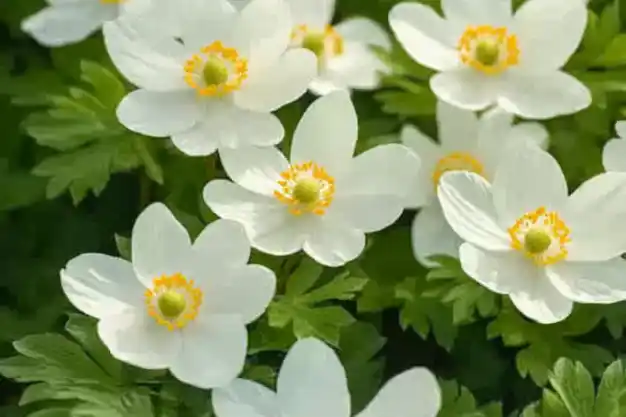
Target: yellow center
[
  {"x": 112, "y": 1},
  {"x": 315, "y": 42},
  {"x": 173, "y": 301},
  {"x": 456, "y": 161},
  {"x": 488, "y": 49},
  {"x": 541, "y": 235},
  {"x": 216, "y": 70},
  {"x": 306, "y": 188},
  {"x": 325, "y": 44}
]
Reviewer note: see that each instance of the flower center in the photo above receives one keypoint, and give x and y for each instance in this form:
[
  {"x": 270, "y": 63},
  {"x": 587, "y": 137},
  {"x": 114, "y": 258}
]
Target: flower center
[
  {"x": 456, "y": 161},
  {"x": 216, "y": 70},
  {"x": 541, "y": 235},
  {"x": 306, "y": 188},
  {"x": 112, "y": 1},
  {"x": 488, "y": 49},
  {"x": 325, "y": 44},
  {"x": 173, "y": 301}
]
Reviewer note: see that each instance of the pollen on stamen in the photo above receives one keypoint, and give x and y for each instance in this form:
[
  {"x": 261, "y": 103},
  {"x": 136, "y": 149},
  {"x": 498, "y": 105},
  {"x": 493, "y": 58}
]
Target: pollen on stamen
[
  {"x": 173, "y": 301},
  {"x": 456, "y": 161},
  {"x": 490, "y": 50},
  {"x": 305, "y": 188},
  {"x": 216, "y": 70}
]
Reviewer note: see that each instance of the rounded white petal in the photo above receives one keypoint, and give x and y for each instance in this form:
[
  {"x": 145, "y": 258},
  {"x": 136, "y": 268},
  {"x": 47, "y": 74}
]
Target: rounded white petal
[
  {"x": 478, "y": 12},
  {"x": 279, "y": 84},
  {"x": 358, "y": 68},
  {"x": 620, "y": 128},
  {"x": 595, "y": 216},
  {"x": 543, "y": 95},
  {"x": 458, "y": 128},
  {"x": 422, "y": 190},
  {"x": 327, "y": 133},
  {"x": 500, "y": 272},
  {"x": 431, "y": 235},
  {"x": 526, "y": 179},
  {"x": 323, "y": 85},
  {"x": 67, "y": 23},
  {"x": 542, "y": 302},
  {"x": 614, "y": 155},
  {"x": 199, "y": 140},
  {"x": 316, "y": 14},
  {"x": 332, "y": 244},
  {"x": 243, "y": 398},
  {"x": 413, "y": 393},
  {"x": 158, "y": 114},
  {"x": 153, "y": 64},
  {"x": 466, "y": 88},
  {"x": 101, "y": 285},
  {"x": 425, "y": 36},
  {"x": 268, "y": 224},
  {"x": 135, "y": 338},
  {"x": 362, "y": 30},
  {"x": 213, "y": 351},
  {"x": 548, "y": 32},
  {"x": 160, "y": 244},
  {"x": 256, "y": 169},
  {"x": 312, "y": 382},
  {"x": 202, "y": 22},
  {"x": 467, "y": 203},
  {"x": 223, "y": 242},
  {"x": 591, "y": 282},
  {"x": 243, "y": 291},
  {"x": 529, "y": 133}
]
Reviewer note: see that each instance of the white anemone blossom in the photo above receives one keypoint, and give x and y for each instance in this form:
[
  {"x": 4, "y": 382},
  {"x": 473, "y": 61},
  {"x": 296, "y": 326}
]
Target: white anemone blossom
[
  {"x": 312, "y": 382},
  {"x": 323, "y": 200},
  {"x": 214, "y": 80},
  {"x": 527, "y": 238},
  {"x": 177, "y": 306},
  {"x": 486, "y": 55},
  {"x": 345, "y": 58},
  {"x": 466, "y": 143},
  {"x": 614, "y": 152}
]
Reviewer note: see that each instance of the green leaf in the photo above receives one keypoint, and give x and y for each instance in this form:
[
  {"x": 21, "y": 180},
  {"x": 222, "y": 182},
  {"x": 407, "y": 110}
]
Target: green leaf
[
  {"x": 304, "y": 277},
  {"x": 615, "y": 53},
  {"x": 574, "y": 385},
  {"x": 323, "y": 323},
  {"x": 611, "y": 400},
  {"x": 458, "y": 401}
]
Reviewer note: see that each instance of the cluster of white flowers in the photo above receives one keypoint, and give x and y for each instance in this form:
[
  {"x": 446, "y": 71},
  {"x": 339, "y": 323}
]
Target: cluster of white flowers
[{"x": 210, "y": 74}]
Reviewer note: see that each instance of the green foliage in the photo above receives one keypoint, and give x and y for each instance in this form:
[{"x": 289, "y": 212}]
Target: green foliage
[{"x": 459, "y": 402}]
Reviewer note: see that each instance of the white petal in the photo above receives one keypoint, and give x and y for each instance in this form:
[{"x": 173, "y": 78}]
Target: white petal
[
  {"x": 263, "y": 32},
  {"x": 332, "y": 244},
  {"x": 614, "y": 155},
  {"x": 362, "y": 30},
  {"x": 223, "y": 242},
  {"x": 500, "y": 272},
  {"x": 458, "y": 128},
  {"x": 544, "y": 95},
  {"x": 158, "y": 114},
  {"x": 316, "y": 14},
  {"x": 203, "y": 22},
  {"x": 595, "y": 216},
  {"x": 526, "y": 179},
  {"x": 542, "y": 302},
  {"x": 312, "y": 382},
  {"x": 591, "y": 282},
  {"x": 279, "y": 84},
  {"x": 466, "y": 88},
  {"x": 243, "y": 398},
  {"x": 153, "y": 64},
  {"x": 213, "y": 351},
  {"x": 530, "y": 133},
  {"x": 323, "y": 85},
  {"x": 69, "y": 23},
  {"x": 422, "y": 191},
  {"x": 358, "y": 68},
  {"x": 431, "y": 235},
  {"x": 549, "y": 31},
  {"x": 478, "y": 12},
  {"x": 101, "y": 285},
  {"x": 199, "y": 140},
  {"x": 620, "y": 128},
  {"x": 256, "y": 169},
  {"x": 268, "y": 224},
  {"x": 327, "y": 133},
  {"x": 426, "y": 37},
  {"x": 134, "y": 337},
  {"x": 467, "y": 203},
  {"x": 160, "y": 244},
  {"x": 413, "y": 393}
]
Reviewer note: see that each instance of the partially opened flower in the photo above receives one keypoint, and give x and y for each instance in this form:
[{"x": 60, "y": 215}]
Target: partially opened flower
[
  {"x": 526, "y": 238},
  {"x": 466, "y": 143},
  {"x": 312, "y": 382},
  {"x": 323, "y": 200},
  {"x": 486, "y": 55},
  {"x": 213, "y": 82},
  {"x": 345, "y": 57},
  {"x": 177, "y": 306},
  {"x": 614, "y": 152}
]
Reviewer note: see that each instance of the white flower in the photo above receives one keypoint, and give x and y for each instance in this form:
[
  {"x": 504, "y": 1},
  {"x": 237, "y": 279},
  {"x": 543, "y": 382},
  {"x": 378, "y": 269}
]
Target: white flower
[
  {"x": 345, "y": 58},
  {"x": 485, "y": 55},
  {"x": 466, "y": 143},
  {"x": 526, "y": 238},
  {"x": 323, "y": 200},
  {"x": 178, "y": 306},
  {"x": 214, "y": 84},
  {"x": 312, "y": 383},
  {"x": 614, "y": 153}
]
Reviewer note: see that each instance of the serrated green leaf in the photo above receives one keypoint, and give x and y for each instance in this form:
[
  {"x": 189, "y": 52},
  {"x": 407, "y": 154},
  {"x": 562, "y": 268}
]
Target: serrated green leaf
[
  {"x": 303, "y": 278},
  {"x": 574, "y": 385}
]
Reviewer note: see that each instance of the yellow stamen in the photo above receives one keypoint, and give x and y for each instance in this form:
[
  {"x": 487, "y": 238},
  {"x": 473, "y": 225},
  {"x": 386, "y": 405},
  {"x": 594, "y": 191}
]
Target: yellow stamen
[
  {"x": 216, "y": 70},
  {"x": 488, "y": 49},
  {"x": 456, "y": 161},
  {"x": 326, "y": 43},
  {"x": 173, "y": 301},
  {"x": 305, "y": 188}
]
